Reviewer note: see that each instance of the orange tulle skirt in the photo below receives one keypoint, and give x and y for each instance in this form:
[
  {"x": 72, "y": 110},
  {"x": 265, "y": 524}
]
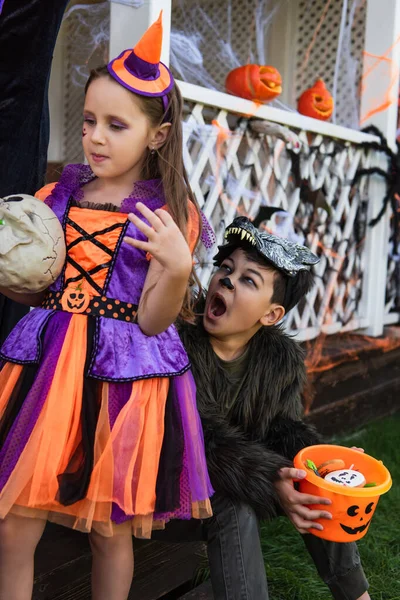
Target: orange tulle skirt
[{"x": 126, "y": 453}]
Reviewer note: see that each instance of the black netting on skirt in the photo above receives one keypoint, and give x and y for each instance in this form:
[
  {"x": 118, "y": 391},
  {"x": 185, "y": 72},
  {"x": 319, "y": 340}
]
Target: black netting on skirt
[
  {"x": 16, "y": 400},
  {"x": 171, "y": 459},
  {"x": 74, "y": 482}
]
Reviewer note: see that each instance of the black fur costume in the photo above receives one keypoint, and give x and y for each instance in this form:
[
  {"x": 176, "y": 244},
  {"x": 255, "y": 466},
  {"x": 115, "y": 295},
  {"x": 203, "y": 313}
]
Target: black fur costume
[{"x": 262, "y": 432}]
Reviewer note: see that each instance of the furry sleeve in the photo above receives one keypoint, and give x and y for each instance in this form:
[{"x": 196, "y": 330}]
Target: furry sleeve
[
  {"x": 288, "y": 436},
  {"x": 240, "y": 469},
  {"x": 292, "y": 379},
  {"x": 287, "y": 433}
]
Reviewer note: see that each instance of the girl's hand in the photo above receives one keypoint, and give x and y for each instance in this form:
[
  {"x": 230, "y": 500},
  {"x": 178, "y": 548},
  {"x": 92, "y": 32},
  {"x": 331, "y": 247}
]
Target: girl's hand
[
  {"x": 293, "y": 502},
  {"x": 165, "y": 241}
]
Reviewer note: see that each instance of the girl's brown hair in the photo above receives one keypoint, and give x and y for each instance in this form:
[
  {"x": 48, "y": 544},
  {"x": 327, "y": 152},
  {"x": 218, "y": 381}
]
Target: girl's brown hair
[{"x": 166, "y": 164}]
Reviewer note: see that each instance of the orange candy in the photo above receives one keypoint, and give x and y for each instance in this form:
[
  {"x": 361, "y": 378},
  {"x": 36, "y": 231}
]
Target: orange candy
[{"x": 330, "y": 465}]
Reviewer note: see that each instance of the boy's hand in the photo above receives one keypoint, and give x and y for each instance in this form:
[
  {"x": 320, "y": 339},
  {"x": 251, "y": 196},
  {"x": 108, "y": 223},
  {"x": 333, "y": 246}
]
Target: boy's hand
[
  {"x": 293, "y": 502},
  {"x": 357, "y": 449}
]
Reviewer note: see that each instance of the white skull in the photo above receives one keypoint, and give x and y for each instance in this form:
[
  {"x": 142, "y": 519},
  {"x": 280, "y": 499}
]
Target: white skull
[
  {"x": 32, "y": 246},
  {"x": 346, "y": 477}
]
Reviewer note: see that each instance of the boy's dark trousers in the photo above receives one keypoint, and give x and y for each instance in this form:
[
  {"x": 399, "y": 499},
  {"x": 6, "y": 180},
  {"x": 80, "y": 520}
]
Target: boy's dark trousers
[
  {"x": 236, "y": 563},
  {"x": 28, "y": 33}
]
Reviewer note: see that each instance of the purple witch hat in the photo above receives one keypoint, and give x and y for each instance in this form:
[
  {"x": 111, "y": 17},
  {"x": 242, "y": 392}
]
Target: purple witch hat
[{"x": 140, "y": 70}]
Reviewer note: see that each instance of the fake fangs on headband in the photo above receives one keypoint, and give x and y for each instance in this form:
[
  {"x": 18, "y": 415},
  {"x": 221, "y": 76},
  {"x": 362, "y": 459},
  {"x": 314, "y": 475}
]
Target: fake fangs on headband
[{"x": 284, "y": 255}]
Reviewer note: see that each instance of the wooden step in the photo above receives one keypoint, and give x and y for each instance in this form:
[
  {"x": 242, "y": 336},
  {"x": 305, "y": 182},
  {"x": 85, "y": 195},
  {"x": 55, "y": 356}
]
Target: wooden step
[
  {"x": 356, "y": 410},
  {"x": 63, "y": 564},
  {"x": 355, "y": 380},
  {"x": 203, "y": 592}
]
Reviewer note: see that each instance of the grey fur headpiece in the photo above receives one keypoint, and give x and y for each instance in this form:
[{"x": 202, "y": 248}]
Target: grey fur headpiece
[{"x": 284, "y": 255}]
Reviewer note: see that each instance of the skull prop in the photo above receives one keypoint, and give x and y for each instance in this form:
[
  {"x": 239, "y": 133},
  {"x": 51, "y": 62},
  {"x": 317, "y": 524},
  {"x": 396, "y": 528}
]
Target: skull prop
[{"x": 32, "y": 247}]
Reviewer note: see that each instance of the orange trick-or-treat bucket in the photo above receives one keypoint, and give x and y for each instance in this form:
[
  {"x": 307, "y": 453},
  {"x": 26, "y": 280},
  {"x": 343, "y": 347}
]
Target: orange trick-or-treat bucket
[{"x": 354, "y": 483}]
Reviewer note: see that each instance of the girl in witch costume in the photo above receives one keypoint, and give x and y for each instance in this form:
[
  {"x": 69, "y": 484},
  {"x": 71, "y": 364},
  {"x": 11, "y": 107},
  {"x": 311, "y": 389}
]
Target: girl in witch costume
[{"x": 99, "y": 429}]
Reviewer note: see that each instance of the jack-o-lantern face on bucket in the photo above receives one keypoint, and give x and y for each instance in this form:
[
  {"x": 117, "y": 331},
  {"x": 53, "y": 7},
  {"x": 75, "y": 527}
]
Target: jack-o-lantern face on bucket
[
  {"x": 358, "y": 514},
  {"x": 316, "y": 102},
  {"x": 75, "y": 300},
  {"x": 353, "y": 502}
]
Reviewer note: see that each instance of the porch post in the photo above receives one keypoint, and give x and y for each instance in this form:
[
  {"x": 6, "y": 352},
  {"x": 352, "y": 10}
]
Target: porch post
[
  {"x": 380, "y": 88},
  {"x": 56, "y": 101},
  {"x": 127, "y": 25}
]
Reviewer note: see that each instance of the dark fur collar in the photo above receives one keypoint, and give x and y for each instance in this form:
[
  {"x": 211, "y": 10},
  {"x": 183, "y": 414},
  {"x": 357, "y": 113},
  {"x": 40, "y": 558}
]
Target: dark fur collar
[
  {"x": 247, "y": 447},
  {"x": 272, "y": 384}
]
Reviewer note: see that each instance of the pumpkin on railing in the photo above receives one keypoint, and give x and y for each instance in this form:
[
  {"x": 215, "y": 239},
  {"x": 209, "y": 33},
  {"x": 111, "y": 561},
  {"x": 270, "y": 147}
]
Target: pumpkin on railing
[
  {"x": 316, "y": 102},
  {"x": 254, "y": 82}
]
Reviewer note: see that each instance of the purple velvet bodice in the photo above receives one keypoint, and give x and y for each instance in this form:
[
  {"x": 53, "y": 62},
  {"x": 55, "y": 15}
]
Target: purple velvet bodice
[{"x": 121, "y": 351}]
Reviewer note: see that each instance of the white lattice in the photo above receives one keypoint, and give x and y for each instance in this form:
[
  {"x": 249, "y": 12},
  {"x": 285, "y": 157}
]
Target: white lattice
[
  {"x": 317, "y": 57},
  {"x": 225, "y": 34},
  {"x": 87, "y": 35},
  {"x": 228, "y": 22},
  {"x": 233, "y": 173}
]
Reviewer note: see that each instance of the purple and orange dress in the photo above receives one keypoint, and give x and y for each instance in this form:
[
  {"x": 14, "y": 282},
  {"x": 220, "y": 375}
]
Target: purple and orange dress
[{"x": 98, "y": 422}]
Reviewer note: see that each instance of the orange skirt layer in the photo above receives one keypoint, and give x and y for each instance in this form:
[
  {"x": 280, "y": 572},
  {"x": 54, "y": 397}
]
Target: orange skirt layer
[{"x": 126, "y": 458}]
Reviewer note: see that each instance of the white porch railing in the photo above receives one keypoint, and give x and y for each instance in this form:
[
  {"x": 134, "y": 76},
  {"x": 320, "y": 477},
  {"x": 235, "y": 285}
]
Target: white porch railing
[{"x": 233, "y": 170}]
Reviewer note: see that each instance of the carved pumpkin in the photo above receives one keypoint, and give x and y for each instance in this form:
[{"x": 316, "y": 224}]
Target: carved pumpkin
[
  {"x": 75, "y": 299},
  {"x": 32, "y": 246},
  {"x": 254, "y": 82},
  {"x": 316, "y": 102}
]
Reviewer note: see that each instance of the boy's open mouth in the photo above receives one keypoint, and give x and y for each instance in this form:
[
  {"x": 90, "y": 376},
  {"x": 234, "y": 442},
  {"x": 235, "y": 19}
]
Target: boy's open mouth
[{"x": 217, "y": 306}]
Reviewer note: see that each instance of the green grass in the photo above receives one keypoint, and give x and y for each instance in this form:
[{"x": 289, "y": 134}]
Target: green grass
[
  {"x": 291, "y": 573},
  {"x": 290, "y": 570}
]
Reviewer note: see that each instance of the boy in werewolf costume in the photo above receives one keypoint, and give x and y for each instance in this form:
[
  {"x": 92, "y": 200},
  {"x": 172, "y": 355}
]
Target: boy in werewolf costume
[{"x": 249, "y": 376}]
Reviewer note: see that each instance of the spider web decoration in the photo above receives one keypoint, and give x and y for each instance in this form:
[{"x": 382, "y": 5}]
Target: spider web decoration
[
  {"x": 209, "y": 39},
  {"x": 323, "y": 20},
  {"x": 87, "y": 38}
]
